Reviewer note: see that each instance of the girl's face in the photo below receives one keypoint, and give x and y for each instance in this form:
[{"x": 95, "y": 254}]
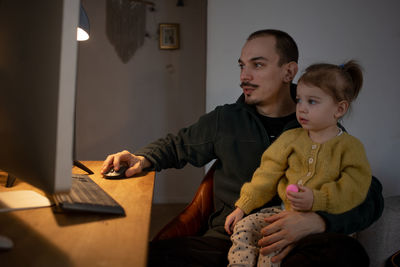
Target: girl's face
[{"x": 317, "y": 111}]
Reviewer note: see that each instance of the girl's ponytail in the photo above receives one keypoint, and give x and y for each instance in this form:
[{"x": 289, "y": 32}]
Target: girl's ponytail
[{"x": 352, "y": 74}]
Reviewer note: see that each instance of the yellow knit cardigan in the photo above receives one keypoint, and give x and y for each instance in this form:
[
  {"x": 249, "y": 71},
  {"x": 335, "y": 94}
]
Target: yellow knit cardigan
[{"x": 337, "y": 170}]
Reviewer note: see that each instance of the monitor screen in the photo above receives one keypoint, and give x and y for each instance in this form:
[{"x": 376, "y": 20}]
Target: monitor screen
[{"x": 38, "y": 58}]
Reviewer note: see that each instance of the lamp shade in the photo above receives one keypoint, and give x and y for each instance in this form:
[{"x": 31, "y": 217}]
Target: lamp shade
[{"x": 83, "y": 27}]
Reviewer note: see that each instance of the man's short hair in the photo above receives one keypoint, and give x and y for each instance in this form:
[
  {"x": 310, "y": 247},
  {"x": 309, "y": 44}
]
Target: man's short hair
[{"x": 286, "y": 47}]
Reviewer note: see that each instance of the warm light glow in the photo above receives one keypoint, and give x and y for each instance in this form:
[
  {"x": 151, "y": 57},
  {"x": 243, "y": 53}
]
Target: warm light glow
[{"x": 82, "y": 35}]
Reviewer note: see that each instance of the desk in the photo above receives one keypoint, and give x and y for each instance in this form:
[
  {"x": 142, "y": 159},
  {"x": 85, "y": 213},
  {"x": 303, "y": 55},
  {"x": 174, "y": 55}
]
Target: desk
[{"x": 44, "y": 238}]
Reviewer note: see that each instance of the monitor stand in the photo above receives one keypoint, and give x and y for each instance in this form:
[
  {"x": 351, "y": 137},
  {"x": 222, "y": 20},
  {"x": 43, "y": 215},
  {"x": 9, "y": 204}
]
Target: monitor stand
[
  {"x": 5, "y": 243},
  {"x": 81, "y": 166},
  {"x": 10, "y": 180}
]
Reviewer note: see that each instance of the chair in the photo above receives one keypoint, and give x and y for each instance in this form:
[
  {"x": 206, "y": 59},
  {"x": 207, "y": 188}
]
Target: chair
[{"x": 193, "y": 220}]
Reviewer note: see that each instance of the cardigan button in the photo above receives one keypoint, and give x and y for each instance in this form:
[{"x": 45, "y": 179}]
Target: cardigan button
[
  {"x": 310, "y": 160},
  {"x": 314, "y": 146}
]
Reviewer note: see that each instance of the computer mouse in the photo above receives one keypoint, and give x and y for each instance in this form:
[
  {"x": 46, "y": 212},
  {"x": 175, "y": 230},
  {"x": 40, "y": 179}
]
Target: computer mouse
[{"x": 113, "y": 174}]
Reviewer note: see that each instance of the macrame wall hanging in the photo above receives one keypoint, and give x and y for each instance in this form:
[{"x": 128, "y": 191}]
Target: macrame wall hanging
[{"x": 126, "y": 26}]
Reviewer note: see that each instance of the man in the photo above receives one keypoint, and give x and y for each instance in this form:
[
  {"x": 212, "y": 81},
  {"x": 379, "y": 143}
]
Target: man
[{"x": 237, "y": 135}]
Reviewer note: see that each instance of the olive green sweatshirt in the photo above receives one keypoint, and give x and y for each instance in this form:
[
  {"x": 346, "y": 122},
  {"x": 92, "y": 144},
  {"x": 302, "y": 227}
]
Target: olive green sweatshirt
[{"x": 234, "y": 136}]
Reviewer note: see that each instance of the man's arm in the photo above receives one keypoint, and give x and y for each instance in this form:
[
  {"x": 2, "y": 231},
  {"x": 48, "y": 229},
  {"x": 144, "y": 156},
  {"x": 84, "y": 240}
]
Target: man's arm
[
  {"x": 194, "y": 145},
  {"x": 286, "y": 228},
  {"x": 361, "y": 216}
]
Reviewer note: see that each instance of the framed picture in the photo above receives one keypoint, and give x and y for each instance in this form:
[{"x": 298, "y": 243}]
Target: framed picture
[{"x": 169, "y": 36}]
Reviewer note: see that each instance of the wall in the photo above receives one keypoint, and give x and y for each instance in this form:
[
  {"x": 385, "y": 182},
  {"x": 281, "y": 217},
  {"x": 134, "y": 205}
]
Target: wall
[
  {"x": 332, "y": 31},
  {"x": 125, "y": 106}
]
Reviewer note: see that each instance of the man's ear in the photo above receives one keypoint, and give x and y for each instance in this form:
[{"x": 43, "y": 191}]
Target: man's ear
[
  {"x": 291, "y": 69},
  {"x": 342, "y": 108}
]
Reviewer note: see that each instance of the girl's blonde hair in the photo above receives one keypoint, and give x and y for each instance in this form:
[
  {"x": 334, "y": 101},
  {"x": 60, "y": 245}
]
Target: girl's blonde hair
[{"x": 342, "y": 82}]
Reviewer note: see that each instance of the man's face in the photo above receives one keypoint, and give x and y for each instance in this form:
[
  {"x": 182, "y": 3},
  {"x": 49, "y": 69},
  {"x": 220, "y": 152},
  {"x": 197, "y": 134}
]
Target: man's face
[{"x": 261, "y": 77}]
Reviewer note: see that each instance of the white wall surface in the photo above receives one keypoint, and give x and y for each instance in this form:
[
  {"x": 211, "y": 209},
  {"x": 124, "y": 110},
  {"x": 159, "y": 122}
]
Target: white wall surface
[
  {"x": 126, "y": 106},
  {"x": 329, "y": 31}
]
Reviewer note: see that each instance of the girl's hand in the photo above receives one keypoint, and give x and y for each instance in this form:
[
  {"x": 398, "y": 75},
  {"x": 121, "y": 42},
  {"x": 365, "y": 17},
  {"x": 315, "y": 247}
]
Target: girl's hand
[
  {"x": 232, "y": 219},
  {"x": 302, "y": 200}
]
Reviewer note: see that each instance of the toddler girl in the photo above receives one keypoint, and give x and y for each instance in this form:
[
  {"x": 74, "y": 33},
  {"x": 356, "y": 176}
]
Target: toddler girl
[{"x": 328, "y": 166}]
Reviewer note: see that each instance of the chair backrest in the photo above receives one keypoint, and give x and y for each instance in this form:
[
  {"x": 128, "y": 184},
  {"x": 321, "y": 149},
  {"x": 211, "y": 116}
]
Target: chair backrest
[{"x": 193, "y": 220}]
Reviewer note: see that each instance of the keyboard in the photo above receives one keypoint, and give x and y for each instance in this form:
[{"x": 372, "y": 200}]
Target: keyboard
[{"x": 86, "y": 196}]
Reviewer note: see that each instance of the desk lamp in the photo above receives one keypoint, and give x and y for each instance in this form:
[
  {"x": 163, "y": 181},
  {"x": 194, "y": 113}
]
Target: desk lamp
[{"x": 83, "y": 28}]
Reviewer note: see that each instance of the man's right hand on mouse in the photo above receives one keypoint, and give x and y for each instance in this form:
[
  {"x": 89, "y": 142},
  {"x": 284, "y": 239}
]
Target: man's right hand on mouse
[{"x": 135, "y": 163}]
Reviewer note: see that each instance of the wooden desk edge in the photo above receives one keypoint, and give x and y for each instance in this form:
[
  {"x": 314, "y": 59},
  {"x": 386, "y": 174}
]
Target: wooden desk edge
[{"x": 43, "y": 233}]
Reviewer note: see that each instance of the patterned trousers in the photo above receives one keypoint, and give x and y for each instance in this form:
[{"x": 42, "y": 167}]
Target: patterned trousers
[{"x": 246, "y": 233}]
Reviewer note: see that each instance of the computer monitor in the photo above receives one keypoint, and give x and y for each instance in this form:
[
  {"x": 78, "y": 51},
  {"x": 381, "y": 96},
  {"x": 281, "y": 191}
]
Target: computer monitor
[{"x": 38, "y": 63}]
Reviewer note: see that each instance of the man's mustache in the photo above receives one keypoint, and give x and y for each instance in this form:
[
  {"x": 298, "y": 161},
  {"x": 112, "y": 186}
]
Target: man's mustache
[{"x": 248, "y": 84}]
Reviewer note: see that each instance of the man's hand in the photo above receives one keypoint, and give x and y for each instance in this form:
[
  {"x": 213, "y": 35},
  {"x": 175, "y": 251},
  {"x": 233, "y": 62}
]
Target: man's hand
[
  {"x": 285, "y": 229},
  {"x": 302, "y": 200},
  {"x": 135, "y": 163},
  {"x": 232, "y": 219}
]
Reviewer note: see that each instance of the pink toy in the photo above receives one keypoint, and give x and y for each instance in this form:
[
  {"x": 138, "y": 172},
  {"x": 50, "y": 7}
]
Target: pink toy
[{"x": 292, "y": 187}]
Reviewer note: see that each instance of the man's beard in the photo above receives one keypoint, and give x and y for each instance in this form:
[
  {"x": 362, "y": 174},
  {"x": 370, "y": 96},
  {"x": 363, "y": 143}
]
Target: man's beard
[{"x": 247, "y": 99}]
